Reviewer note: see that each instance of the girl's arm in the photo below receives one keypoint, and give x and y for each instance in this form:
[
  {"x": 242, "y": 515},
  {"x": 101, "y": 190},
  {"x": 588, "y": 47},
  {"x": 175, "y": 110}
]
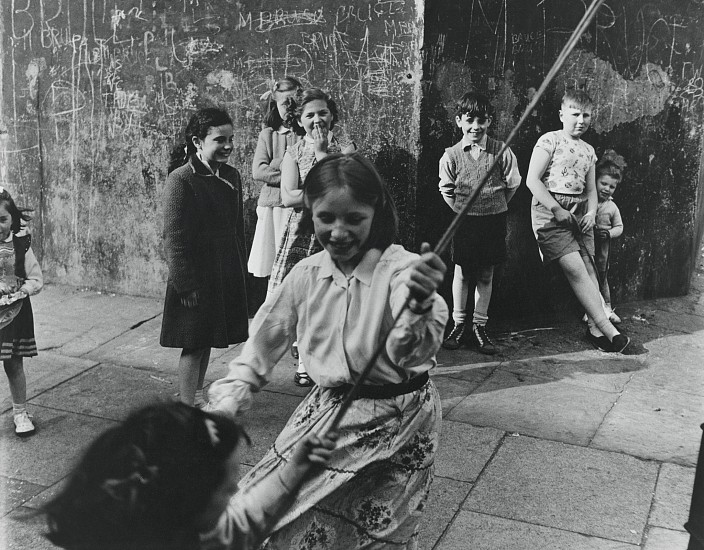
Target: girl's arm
[
  {"x": 264, "y": 167},
  {"x": 587, "y": 221},
  {"x": 179, "y": 225},
  {"x": 35, "y": 280},
  {"x": 616, "y": 224},
  {"x": 252, "y": 514},
  {"x": 539, "y": 161},
  {"x": 418, "y": 334},
  {"x": 271, "y": 334},
  {"x": 291, "y": 195}
]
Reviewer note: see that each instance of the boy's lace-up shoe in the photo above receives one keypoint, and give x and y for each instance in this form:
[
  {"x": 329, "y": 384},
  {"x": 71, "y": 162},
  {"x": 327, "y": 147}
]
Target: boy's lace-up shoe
[
  {"x": 23, "y": 424},
  {"x": 481, "y": 340},
  {"x": 454, "y": 340}
]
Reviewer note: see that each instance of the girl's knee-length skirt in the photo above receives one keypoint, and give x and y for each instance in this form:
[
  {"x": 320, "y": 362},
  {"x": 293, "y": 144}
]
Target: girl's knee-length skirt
[
  {"x": 17, "y": 338},
  {"x": 372, "y": 493},
  {"x": 271, "y": 222}
]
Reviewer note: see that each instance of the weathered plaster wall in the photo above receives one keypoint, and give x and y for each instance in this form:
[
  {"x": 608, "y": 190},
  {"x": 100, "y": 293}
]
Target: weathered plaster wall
[
  {"x": 642, "y": 64},
  {"x": 95, "y": 92}
]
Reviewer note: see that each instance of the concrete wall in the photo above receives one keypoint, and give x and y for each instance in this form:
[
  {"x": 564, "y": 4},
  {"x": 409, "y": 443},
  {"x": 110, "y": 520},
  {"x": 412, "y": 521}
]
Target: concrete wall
[
  {"x": 93, "y": 97},
  {"x": 95, "y": 93},
  {"x": 642, "y": 64}
]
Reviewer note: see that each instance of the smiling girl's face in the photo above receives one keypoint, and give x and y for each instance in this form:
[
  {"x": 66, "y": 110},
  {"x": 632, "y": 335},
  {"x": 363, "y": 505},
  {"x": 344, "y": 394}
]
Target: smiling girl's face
[
  {"x": 316, "y": 114},
  {"x": 342, "y": 225},
  {"x": 216, "y": 146}
]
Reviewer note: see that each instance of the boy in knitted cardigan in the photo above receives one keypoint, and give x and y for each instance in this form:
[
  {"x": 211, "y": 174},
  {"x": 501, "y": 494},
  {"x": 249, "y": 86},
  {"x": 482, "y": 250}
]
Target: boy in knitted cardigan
[{"x": 480, "y": 242}]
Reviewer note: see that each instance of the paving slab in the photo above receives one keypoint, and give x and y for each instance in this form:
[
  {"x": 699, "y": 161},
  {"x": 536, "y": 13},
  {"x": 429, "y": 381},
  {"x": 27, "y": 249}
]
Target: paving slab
[
  {"x": 537, "y": 406},
  {"x": 675, "y": 363},
  {"x": 591, "y": 369},
  {"x": 446, "y": 497},
  {"x": 264, "y": 421},
  {"x": 49, "y": 455},
  {"x": 666, "y": 539},
  {"x": 452, "y": 391},
  {"x": 465, "y": 450},
  {"x": 484, "y": 532},
  {"x": 110, "y": 391},
  {"x": 655, "y": 424},
  {"x": 24, "y": 529},
  {"x": 78, "y": 322},
  {"x": 14, "y": 492},
  {"x": 567, "y": 487},
  {"x": 673, "y": 496},
  {"x": 45, "y": 371},
  {"x": 139, "y": 347}
]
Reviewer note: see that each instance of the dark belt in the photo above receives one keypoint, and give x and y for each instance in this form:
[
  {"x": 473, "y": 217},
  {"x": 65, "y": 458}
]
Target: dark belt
[{"x": 387, "y": 391}]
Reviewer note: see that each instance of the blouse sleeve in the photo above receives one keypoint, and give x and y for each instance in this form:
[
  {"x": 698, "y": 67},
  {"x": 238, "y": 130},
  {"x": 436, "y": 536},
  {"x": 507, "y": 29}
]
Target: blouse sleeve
[
  {"x": 179, "y": 227},
  {"x": 272, "y": 332},
  {"x": 35, "y": 280},
  {"x": 416, "y": 338},
  {"x": 250, "y": 516},
  {"x": 264, "y": 167}
]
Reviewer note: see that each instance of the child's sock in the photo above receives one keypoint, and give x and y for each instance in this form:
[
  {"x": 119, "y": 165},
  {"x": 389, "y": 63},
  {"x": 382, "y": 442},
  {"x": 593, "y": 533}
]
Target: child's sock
[
  {"x": 199, "y": 399},
  {"x": 18, "y": 408},
  {"x": 479, "y": 318},
  {"x": 459, "y": 316},
  {"x": 593, "y": 329}
]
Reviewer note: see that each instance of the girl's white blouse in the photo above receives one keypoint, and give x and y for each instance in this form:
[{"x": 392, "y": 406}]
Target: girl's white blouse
[{"x": 338, "y": 322}]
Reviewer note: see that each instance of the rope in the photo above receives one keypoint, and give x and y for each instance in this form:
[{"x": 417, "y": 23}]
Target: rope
[{"x": 446, "y": 238}]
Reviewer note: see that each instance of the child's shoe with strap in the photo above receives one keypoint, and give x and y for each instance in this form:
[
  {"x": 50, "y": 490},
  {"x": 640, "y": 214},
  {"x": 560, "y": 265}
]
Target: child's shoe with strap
[
  {"x": 481, "y": 341},
  {"x": 454, "y": 340}
]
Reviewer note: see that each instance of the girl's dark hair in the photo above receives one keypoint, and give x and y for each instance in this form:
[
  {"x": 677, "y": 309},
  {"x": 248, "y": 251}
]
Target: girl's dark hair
[
  {"x": 366, "y": 185},
  {"x": 198, "y": 126},
  {"x": 144, "y": 483},
  {"x": 18, "y": 215},
  {"x": 273, "y": 119},
  {"x": 474, "y": 104},
  {"x": 303, "y": 97}
]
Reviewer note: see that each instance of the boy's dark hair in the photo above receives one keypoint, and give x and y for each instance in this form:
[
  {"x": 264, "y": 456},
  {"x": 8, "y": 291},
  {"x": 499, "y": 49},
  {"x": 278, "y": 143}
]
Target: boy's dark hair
[
  {"x": 143, "y": 484},
  {"x": 608, "y": 168},
  {"x": 198, "y": 126},
  {"x": 365, "y": 184},
  {"x": 273, "y": 119},
  {"x": 474, "y": 104},
  {"x": 578, "y": 98},
  {"x": 301, "y": 99},
  {"x": 18, "y": 215}
]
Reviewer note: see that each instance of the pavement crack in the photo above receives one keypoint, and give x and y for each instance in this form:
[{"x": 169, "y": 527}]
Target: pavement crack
[{"x": 140, "y": 323}]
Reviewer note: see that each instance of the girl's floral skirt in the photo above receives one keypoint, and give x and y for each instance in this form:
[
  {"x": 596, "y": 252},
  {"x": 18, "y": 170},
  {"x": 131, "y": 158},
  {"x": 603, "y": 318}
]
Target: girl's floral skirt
[{"x": 373, "y": 492}]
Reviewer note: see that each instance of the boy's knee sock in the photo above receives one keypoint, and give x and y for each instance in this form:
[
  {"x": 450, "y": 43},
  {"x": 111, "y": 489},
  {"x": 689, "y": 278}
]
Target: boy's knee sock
[{"x": 480, "y": 318}]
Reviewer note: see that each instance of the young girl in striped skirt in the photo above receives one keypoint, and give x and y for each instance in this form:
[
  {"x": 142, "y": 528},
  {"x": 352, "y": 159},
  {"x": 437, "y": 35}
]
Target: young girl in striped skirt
[
  {"x": 340, "y": 302},
  {"x": 20, "y": 277}
]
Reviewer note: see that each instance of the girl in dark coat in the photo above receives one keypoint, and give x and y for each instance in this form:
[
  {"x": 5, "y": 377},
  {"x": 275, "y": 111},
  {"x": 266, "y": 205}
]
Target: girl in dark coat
[{"x": 206, "y": 302}]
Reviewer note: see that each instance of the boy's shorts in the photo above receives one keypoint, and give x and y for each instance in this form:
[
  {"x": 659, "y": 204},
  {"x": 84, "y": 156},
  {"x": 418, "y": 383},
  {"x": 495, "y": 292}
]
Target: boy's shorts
[
  {"x": 557, "y": 241},
  {"x": 480, "y": 241}
]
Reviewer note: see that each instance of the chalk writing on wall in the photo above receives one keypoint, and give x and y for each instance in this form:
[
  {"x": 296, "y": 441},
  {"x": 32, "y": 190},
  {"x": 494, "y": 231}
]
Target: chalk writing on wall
[{"x": 110, "y": 84}]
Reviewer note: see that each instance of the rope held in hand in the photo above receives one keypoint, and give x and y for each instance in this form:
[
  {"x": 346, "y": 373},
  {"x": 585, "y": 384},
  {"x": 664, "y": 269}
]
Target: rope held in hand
[{"x": 446, "y": 238}]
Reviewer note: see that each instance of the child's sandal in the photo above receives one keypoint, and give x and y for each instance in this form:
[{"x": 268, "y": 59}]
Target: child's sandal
[{"x": 302, "y": 379}]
